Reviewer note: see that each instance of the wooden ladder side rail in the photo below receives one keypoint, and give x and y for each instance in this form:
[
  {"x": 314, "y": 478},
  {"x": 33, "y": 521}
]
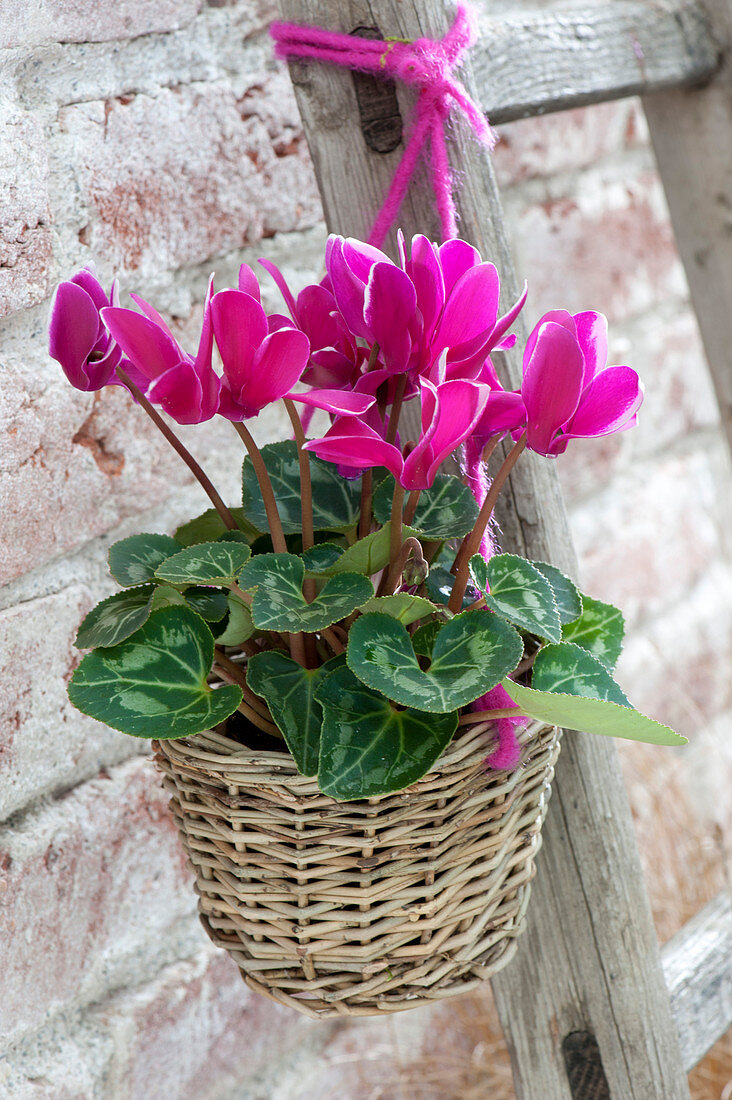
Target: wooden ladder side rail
[
  {"x": 697, "y": 964},
  {"x": 692, "y": 138},
  {"x": 536, "y": 62},
  {"x": 589, "y": 961}
]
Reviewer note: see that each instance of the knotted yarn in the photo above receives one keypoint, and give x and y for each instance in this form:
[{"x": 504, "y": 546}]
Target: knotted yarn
[{"x": 427, "y": 64}]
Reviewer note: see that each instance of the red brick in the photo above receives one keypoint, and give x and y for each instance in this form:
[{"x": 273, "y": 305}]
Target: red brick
[
  {"x": 86, "y": 881},
  {"x": 191, "y": 173},
  {"x": 89, "y": 20},
  {"x": 25, "y": 219},
  {"x": 608, "y": 245},
  {"x": 540, "y": 147}
]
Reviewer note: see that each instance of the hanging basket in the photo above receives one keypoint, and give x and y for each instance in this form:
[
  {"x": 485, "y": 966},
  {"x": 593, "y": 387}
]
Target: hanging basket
[{"x": 358, "y": 908}]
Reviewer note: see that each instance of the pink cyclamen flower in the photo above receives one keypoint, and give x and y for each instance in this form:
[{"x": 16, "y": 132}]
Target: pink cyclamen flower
[
  {"x": 439, "y": 299},
  {"x": 186, "y": 387},
  {"x": 263, "y": 358},
  {"x": 450, "y": 411},
  {"x": 568, "y": 389},
  {"x": 78, "y": 339}
]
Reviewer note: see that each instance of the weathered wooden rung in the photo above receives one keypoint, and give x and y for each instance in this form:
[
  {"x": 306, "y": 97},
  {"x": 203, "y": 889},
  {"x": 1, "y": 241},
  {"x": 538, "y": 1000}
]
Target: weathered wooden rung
[
  {"x": 534, "y": 63},
  {"x": 697, "y": 965}
]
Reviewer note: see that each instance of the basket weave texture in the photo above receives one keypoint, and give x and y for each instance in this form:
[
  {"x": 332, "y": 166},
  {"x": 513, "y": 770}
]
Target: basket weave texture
[{"x": 360, "y": 908}]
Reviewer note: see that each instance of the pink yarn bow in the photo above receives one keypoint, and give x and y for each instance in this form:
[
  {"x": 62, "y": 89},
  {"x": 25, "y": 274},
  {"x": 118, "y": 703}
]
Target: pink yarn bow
[{"x": 427, "y": 64}]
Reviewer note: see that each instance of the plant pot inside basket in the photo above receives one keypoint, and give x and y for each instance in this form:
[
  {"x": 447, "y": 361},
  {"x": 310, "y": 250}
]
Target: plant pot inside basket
[{"x": 356, "y": 908}]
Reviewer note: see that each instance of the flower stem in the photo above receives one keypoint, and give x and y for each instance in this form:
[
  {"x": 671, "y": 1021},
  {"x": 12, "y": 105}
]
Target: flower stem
[
  {"x": 396, "y": 409},
  {"x": 182, "y": 451},
  {"x": 412, "y": 502},
  {"x": 364, "y": 523},
  {"x": 471, "y": 542},
  {"x": 487, "y": 715},
  {"x": 306, "y": 490},
  {"x": 395, "y": 541},
  {"x": 265, "y": 488}
]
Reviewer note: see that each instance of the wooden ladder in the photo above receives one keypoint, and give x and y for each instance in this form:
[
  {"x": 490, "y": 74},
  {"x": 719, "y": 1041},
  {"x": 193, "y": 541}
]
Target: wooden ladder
[{"x": 590, "y": 1007}]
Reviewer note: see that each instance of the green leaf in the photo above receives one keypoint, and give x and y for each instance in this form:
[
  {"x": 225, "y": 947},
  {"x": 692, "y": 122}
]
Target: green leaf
[
  {"x": 518, "y": 592},
  {"x": 424, "y": 638},
  {"x": 599, "y": 629},
  {"x": 566, "y": 594},
  {"x": 239, "y": 625},
  {"x": 407, "y": 609},
  {"x": 289, "y": 691},
  {"x": 367, "y": 747},
  {"x": 134, "y": 560},
  {"x": 336, "y": 501},
  {"x": 279, "y": 603},
  {"x": 320, "y": 558},
  {"x": 369, "y": 554},
  {"x": 591, "y": 715},
  {"x": 570, "y": 668},
  {"x": 115, "y": 618},
  {"x": 154, "y": 684},
  {"x": 165, "y": 595},
  {"x": 209, "y": 526},
  {"x": 471, "y": 653},
  {"x": 205, "y": 563},
  {"x": 446, "y": 510},
  {"x": 439, "y": 586},
  {"x": 210, "y": 603}
]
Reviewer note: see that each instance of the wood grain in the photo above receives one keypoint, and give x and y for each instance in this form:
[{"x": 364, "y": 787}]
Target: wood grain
[
  {"x": 589, "y": 960},
  {"x": 697, "y": 964},
  {"x": 533, "y": 63},
  {"x": 692, "y": 138}
]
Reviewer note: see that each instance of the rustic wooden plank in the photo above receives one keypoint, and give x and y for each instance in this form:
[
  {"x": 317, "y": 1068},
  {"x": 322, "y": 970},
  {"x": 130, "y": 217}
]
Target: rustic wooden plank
[
  {"x": 589, "y": 960},
  {"x": 692, "y": 138},
  {"x": 533, "y": 63},
  {"x": 697, "y": 964}
]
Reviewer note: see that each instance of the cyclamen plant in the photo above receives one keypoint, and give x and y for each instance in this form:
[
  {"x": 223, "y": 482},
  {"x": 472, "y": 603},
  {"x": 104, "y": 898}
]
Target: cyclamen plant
[{"x": 355, "y": 607}]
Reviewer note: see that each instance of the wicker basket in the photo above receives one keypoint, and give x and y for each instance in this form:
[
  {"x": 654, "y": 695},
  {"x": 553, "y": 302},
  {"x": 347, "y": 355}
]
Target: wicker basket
[{"x": 360, "y": 908}]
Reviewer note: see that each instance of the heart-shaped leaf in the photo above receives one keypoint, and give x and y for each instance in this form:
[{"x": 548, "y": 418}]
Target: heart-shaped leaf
[
  {"x": 599, "y": 629},
  {"x": 566, "y": 595},
  {"x": 134, "y": 560},
  {"x": 519, "y": 592},
  {"x": 598, "y": 716},
  {"x": 401, "y": 606},
  {"x": 439, "y": 586},
  {"x": 470, "y": 655},
  {"x": 115, "y": 618},
  {"x": 424, "y": 638},
  {"x": 571, "y": 669},
  {"x": 210, "y": 603},
  {"x": 289, "y": 691},
  {"x": 209, "y": 526},
  {"x": 154, "y": 684},
  {"x": 367, "y": 747},
  {"x": 205, "y": 563},
  {"x": 367, "y": 556},
  {"x": 336, "y": 501},
  {"x": 446, "y": 510},
  {"x": 239, "y": 625},
  {"x": 279, "y": 603},
  {"x": 320, "y": 558}
]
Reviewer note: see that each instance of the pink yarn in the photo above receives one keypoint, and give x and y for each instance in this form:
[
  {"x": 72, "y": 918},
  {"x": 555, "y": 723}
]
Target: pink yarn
[
  {"x": 428, "y": 65},
  {"x": 507, "y": 752}
]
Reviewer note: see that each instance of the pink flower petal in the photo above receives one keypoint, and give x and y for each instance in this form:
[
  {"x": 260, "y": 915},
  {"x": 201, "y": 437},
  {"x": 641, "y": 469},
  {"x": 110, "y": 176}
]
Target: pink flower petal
[
  {"x": 151, "y": 348},
  {"x": 551, "y": 385},
  {"x": 240, "y": 326},
  {"x": 560, "y": 317},
  {"x": 613, "y": 396},
  {"x": 456, "y": 257},
  {"x": 592, "y": 337},
  {"x": 282, "y": 285},
  {"x": 339, "y": 402},
  {"x": 152, "y": 313},
  {"x": 455, "y": 408},
  {"x": 389, "y": 312},
  {"x": 471, "y": 308},
  {"x": 423, "y": 268},
  {"x": 181, "y": 394},
  {"x": 352, "y": 443},
  {"x": 248, "y": 283},
  {"x": 277, "y": 367},
  {"x": 73, "y": 333}
]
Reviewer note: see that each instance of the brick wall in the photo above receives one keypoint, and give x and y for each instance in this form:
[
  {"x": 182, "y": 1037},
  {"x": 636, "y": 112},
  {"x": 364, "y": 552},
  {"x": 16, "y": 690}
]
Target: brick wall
[{"x": 161, "y": 140}]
